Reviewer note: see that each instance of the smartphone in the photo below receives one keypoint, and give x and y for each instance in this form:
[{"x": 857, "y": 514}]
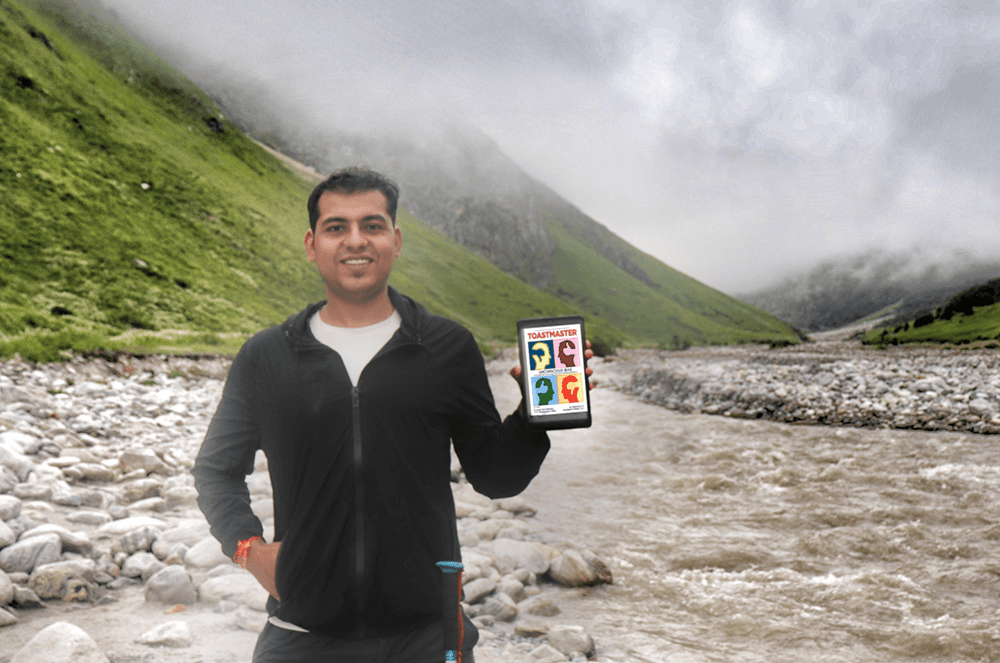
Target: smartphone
[{"x": 554, "y": 372}]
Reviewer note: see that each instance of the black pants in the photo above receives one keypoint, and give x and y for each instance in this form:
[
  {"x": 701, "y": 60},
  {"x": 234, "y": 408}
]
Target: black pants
[{"x": 279, "y": 645}]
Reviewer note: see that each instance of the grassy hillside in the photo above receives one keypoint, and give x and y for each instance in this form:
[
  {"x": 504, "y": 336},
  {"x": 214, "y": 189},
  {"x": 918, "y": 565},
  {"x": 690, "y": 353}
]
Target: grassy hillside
[
  {"x": 134, "y": 216},
  {"x": 972, "y": 316}
]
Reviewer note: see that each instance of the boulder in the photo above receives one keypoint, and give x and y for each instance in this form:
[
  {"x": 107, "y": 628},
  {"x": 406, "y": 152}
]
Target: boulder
[
  {"x": 240, "y": 588},
  {"x": 171, "y": 584},
  {"x": 571, "y": 640},
  {"x": 171, "y": 634},
  {"x": 7, "y": 618},
  {"x": 510, "y": 555},
  {"x": 545, "y": 654},
  {"x": 572, "y": 570},
  {"x": 206, "y": 554},
  {"x": 53, "y": 581},
  {"x": 477, "y": 590},
  {"x": 25, "y": 555},
  {"x": 77, "y": 542},
  {"x": 126, "y": 525},
  {"x": 61, "y": 642},
  {"x": 10, "y": 507},
  {"x": 6, "y": 589},
  {"x": 141, "y": 565}
]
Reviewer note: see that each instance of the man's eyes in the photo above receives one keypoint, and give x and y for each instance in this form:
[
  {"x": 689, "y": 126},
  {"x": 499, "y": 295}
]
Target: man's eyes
[{"x": 368, "y": 227}]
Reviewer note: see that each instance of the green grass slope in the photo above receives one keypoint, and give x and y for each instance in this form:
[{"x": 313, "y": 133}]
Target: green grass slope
[
  {"x": 654, "y": 303},
  {"x": 972, "y": 316},
  {"x": 134, "y": 217}
]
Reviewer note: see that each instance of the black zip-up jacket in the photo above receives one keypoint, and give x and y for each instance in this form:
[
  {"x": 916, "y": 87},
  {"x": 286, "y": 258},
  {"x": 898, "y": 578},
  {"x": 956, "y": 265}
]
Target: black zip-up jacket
[{"x": 360, "y": 475}]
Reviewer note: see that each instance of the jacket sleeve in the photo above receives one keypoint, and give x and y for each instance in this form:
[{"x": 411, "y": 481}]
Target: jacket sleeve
[
  {"x": 226, "y": 458},
  {"x": 499, "y": 458}
]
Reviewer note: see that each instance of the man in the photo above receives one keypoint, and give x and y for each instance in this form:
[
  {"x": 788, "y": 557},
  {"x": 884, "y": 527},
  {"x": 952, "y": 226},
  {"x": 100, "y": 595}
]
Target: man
[{"x": 355, "y": 402}]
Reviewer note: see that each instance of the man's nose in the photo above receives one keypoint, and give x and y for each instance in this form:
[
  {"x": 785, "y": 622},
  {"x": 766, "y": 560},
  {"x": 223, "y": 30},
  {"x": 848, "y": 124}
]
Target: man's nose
[{"x": 354, "y": 235}]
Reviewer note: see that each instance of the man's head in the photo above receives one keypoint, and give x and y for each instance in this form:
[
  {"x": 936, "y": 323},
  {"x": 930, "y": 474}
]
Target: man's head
[{"x": 354, "y": 180}]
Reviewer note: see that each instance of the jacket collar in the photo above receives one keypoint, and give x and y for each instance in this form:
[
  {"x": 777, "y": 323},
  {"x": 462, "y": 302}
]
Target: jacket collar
[{"x": 412, "y": 315}]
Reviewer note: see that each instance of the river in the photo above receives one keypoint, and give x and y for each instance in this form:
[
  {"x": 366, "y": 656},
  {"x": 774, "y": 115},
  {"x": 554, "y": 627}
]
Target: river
[{"x": 740, "y": 540}]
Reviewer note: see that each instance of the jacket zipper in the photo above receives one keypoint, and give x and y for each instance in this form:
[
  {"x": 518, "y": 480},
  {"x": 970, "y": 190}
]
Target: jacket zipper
[{"x": 359, "y": 525}]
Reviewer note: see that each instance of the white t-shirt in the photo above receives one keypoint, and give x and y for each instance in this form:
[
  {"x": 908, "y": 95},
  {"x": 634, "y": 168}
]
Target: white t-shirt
[{"x": 356, "y": 346}]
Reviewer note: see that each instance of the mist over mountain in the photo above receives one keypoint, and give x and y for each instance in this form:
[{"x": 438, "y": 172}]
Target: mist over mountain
[{"x": 839, "y": 292}]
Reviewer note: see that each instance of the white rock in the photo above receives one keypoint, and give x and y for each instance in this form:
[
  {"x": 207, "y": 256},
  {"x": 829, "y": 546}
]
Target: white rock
[
  {"x": 77, "y": 542},
  {"x": 477, "y": 590},
  {"x": 7, "y": 535},
  {"x": 206, "y": 554},
  {"x": 6, "y": 589},
  {"x": 510, "y": 555},
  {"x": 240, "y": 587},
  {"x": 61, "y": 642},
  {"x": 141, "y": 564},
  {"x": 7, "y": 618},
  {"x": 171, "y": 634},
  {"x": 94, "y": 518},
  {"x": 18, "y": 441},
  {"x": 188, "y": 533},
  {"x": 10, "y": 507},
  {"x": 171, "y": 584},
  {"x": 126, "y": 525},
  {"x": 571, "y": 640},
  {"x": 545, "y": 654},
  {"x": 25, "y": 555}
]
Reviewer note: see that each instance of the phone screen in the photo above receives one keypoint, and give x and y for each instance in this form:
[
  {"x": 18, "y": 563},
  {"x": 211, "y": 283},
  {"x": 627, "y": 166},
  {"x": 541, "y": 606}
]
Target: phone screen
[{"x": 554, "y": 371}]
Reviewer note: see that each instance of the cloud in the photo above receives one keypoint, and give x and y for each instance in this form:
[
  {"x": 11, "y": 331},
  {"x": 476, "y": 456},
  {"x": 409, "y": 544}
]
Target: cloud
[{"x": 737, "y": 140}]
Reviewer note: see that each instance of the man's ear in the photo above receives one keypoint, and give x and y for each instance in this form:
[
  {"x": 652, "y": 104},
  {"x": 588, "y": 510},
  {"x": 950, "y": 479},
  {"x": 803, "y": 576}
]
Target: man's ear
[
  {"x": 310, "y": 243},
  {"x": 399, "y": 240}
]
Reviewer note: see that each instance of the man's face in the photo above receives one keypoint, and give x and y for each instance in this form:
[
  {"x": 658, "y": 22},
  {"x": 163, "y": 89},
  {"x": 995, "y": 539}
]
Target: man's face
[{"x": 354, "y": 245}]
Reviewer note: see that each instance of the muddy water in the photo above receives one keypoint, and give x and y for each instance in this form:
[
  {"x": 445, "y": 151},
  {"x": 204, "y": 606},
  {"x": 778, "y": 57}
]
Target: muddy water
[{"x": 736, "y": 540}]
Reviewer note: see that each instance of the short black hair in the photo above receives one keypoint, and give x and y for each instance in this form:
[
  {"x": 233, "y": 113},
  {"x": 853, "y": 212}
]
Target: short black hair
[{"x": 353, "y": 180}]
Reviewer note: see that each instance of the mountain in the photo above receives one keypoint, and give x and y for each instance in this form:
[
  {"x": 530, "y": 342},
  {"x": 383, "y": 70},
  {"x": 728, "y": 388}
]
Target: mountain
[
  {"x": 458, "y": 180},
  {"x": 138, "y": 216},
  {"x": 875, "y": 284}
]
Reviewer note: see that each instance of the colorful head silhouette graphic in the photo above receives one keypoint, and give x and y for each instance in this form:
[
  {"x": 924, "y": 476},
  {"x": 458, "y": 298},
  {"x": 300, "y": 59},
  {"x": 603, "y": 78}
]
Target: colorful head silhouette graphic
[
  {"x": 541, "y": 355},
  {"x": 543, "y": 393},
  {"x": 569, "y": 388},
  {"x": 568, "y": 354}
]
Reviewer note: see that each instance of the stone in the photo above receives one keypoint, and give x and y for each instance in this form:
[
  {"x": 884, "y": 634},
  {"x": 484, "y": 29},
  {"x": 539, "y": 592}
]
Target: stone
[
  {"x": 26, "y": 555},
  {"x": 10, "y": 507},
  {"x": 96, "y": 472},
  {"x": 6, "y": 589},
  {"x": 512, "y": 588},
  {"x": 571, "y": 640},
  {"x": 501, "y": 606},
  {"x": 7, "y": 535},
  {"x": 171, "y": 634},
  {"x": 545, "y": 654},
  {"x": 139, "y": 489},
  {"x": 171, "y": 584},
  {"x": 20, "y": 441},
  {"x": 93, "y": 518},
  {"x": 187, "y": 533},
  {"x": 477, "y": 590},
  {"x": 126, "y": 525},
  {"x": 510, "y": 555},
  {"x": 141, "y": 565},
  {"x": 517, "y": 505},
  {"x": 572, "y": 570},
  {"x": 52, "y": 581},
  {"x": 206, "y": 554},
  {"x": 144, "y": 459},
  {"x": 60, "y": 642},
  {"x": 138, "y": 540},
  {"x": 539, "y": 606},
  {"x": 7, "y": 618},
  {"x": 26, "y": 598},
  {"x": 77, "y": 542},
  {"x": 249, "y": 619},
  {"x": 530, "y": 629},
  {"x": 240, "y": 587}
]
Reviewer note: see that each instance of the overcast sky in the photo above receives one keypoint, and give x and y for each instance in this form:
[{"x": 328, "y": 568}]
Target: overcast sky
[{"x": 737, "y": 141}]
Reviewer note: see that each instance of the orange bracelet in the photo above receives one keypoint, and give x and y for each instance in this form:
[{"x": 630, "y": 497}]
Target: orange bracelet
[{"x": 242, "y": 549}]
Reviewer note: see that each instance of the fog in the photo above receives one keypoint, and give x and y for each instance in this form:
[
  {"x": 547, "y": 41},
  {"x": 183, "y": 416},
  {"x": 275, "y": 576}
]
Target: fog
[{"x": 736, "y": 141}]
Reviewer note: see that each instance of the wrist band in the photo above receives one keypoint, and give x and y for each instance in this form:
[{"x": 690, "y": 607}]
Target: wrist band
[{"x": 242, "y": 548}]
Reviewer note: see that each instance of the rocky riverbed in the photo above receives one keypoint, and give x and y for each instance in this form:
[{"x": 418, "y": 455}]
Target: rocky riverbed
[
  {"x": 831, "y": 383},
  {"x": 105, "y": 557}
]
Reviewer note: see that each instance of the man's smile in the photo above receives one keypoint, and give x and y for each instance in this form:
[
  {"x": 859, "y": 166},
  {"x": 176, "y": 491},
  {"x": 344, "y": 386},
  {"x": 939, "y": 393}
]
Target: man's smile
[{"x": 356, "y": 261}]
